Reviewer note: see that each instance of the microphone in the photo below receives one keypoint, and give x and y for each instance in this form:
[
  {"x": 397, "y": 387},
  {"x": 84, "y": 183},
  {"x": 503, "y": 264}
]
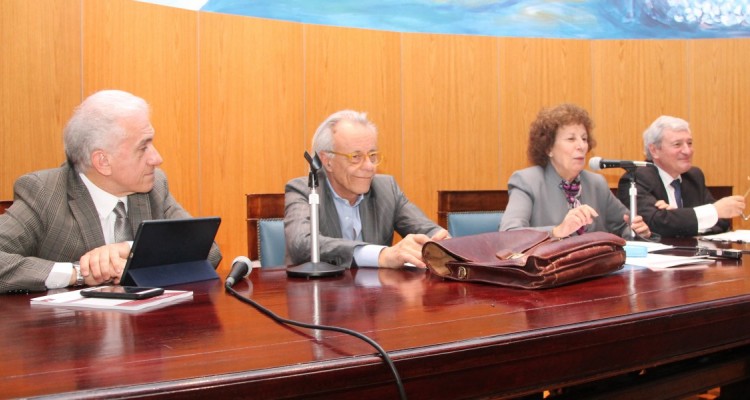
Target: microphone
[
  {"x": 314, "y": 268},
  {"x": 241, "y": 267},
  {"x": 596, "y": 164}
]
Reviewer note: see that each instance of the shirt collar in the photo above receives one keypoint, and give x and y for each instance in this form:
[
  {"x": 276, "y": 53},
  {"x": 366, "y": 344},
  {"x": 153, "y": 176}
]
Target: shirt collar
[
  {"x": 338, "y": 198},
  {"x": 103, "y": 201},
  {"x": 665, "y": 177}
]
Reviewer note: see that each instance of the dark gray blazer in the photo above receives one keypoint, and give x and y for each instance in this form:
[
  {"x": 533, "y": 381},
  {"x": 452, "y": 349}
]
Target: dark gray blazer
[
  {"x": 384, "y": 209},
  {"x": 675, "y": 222},
  {"x": 53, "y": 219},
  {"x": 536, "y": 201}
]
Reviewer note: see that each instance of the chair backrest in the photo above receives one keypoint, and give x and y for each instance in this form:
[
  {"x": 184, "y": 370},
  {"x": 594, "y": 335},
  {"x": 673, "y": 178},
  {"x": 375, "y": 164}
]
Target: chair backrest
[
  {"x": 468, "y": 212},
  {"x": 4, "y": 205},
  {"x": 265, "y": 228},
  {"x": 271, "y": 242},
  {"x": 720, "y": 191},
  {"x": 473, "y": 222}
]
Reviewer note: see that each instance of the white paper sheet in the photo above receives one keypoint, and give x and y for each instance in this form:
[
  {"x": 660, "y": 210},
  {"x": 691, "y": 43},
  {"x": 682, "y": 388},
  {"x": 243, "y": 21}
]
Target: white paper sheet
[{"x": 657, "y": 262}]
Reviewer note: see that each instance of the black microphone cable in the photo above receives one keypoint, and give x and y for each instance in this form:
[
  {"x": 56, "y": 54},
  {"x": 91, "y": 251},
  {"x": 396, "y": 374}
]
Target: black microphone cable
[{"x": 281, "y": 320}]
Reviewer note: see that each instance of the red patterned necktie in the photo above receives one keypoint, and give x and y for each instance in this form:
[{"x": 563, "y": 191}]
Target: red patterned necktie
[{"x": 572, "y": 190}]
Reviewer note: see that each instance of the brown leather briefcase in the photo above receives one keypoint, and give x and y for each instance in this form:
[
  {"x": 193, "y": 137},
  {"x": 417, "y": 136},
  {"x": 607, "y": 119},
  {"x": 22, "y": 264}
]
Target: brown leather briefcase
[{"x": 525, "y": 258}]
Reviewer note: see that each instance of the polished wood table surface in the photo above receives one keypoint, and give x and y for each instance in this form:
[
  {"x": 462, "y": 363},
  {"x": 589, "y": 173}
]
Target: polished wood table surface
[{"x": 448, "y": 340}]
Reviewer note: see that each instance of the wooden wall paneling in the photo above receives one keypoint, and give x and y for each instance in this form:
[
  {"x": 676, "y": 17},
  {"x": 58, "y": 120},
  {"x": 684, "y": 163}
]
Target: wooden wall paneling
[
  {"x": 634, "y": 81},
  {"x": 151, "y": 51},
  {"x": 39, "y": 87},
  {"x": 235, "y": 104},
  {"x": 359, "y": 69},
  {"x": 450, "y": 118},
  {"x": 251, "y": 116},
  {"x": 535, "y": 74},
  {"x": 40, "y": 84},
  {"x": 718, "y": 89}
]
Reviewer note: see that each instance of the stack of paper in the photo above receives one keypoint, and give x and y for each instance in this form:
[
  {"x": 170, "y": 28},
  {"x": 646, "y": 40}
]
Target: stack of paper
[
  {"x": 661, "y": 261},
  {"x": 740, "y": 236},
  {"x": 75, "y": 300}
]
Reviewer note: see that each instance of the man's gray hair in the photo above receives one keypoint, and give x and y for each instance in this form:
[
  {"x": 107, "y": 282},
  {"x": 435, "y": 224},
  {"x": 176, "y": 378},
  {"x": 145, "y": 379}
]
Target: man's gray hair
[
  {"x": 96, "y": 125},
  {"x": 654, "y": 133},
  {"x": 323, "y": 139}
]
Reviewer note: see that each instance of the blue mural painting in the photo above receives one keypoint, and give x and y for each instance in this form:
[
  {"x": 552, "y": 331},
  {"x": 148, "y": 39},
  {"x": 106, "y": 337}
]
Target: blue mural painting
[{"x": 582, "y": 19}]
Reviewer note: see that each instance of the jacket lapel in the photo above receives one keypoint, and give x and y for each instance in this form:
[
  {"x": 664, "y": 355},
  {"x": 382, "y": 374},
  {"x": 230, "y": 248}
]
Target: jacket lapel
[
  {"x": 327, "y": 226},
  {"x": 369, "y": 220},
  {"x": 139, "y": 210},
  {"x": 84, "y": 212}
]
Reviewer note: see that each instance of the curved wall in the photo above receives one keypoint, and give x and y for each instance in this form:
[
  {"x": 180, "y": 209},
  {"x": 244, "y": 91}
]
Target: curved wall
[{"x": 236, "y": 99}]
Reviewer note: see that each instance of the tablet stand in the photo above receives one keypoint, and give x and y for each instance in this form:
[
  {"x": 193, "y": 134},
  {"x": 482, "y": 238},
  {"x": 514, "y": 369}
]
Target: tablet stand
[
  {"x": 171, "y": 274},
  {"x": 314, "y": 268}
]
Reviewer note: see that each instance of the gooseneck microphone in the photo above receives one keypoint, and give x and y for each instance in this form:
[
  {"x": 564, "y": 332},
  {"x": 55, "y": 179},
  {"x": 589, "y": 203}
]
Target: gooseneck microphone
[
  {"x": 596, "y": 164},
  {"x": 241, "y": 267}
]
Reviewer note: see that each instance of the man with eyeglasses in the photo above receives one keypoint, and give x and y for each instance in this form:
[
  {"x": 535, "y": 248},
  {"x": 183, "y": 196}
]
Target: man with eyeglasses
[
  {"x": 359, "y": 209},
  {"x": 673, "y": 198}
]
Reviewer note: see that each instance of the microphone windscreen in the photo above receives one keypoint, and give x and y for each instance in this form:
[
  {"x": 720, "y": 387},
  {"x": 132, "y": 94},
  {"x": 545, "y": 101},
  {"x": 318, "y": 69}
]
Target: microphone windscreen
[
  {"x": 242, "y": 258},
  {"x": 241, "y": 267},
  {"x": 595, "y": 163},
  {"x": 245, "y": 260}
]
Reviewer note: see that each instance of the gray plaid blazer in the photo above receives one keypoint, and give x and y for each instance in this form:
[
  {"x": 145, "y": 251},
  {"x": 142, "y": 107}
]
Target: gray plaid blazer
[{"x": 53, "y": 219}]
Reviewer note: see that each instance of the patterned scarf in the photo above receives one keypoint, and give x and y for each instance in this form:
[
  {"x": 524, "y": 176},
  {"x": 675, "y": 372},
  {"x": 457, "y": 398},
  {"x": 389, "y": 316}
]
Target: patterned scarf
[{"x": 572, "y": 191}]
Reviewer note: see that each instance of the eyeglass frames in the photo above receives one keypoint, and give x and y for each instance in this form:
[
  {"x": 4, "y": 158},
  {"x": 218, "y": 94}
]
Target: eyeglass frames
[{"x": 357, "y": 157}]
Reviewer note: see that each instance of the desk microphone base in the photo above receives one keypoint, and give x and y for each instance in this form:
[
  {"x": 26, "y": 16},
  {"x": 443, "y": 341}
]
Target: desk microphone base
[{"x": 314, "y": 270}]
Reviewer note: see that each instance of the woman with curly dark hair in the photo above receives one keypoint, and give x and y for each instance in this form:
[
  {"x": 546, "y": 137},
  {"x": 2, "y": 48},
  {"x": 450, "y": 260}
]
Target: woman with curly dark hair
[{"x": 556, "y": 194}]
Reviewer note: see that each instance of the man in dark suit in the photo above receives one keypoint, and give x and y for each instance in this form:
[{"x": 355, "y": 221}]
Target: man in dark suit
[
  {"x": 359, "y": 209},
  {"x": 63, "y": 228},
  {"x": 672, "y": 196}
]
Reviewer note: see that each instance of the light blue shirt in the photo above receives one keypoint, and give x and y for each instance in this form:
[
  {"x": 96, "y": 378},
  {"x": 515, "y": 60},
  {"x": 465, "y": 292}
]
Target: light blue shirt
[{"x": 351, "y": 229}]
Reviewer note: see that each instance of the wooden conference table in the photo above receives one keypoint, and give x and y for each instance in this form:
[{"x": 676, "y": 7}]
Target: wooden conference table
[{"x": 685, "y": 330}]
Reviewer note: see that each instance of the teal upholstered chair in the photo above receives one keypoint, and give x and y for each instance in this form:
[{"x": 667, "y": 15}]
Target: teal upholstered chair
[
  {"x": 271, "y": 242},
  {"x": 265, "y": 228},
  {"x": 472, "y": 222},
  {"x": 468, "y": 212}
]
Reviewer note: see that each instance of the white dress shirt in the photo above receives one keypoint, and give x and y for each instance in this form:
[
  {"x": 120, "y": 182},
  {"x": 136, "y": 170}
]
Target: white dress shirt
[
  {"x": 706, "y": 214},
  {"x": 105, "y": 204}
]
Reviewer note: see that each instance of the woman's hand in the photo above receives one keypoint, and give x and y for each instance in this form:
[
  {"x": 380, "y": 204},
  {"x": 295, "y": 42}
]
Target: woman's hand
[{"x": 575, "y": 218}]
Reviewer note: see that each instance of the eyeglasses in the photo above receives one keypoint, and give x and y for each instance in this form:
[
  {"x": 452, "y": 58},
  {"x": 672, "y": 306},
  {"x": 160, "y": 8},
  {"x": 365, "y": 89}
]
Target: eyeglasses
[
  {"x": 746, "y": 217},
  {"x": 358, "y": 157}
]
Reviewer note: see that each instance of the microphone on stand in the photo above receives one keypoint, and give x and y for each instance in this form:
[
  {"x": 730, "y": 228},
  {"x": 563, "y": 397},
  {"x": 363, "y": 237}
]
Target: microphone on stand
[
  {"x": 596, "y": 164},
  {"x": 241, "y": 267},
  {"x": 314, "y": 268}
]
